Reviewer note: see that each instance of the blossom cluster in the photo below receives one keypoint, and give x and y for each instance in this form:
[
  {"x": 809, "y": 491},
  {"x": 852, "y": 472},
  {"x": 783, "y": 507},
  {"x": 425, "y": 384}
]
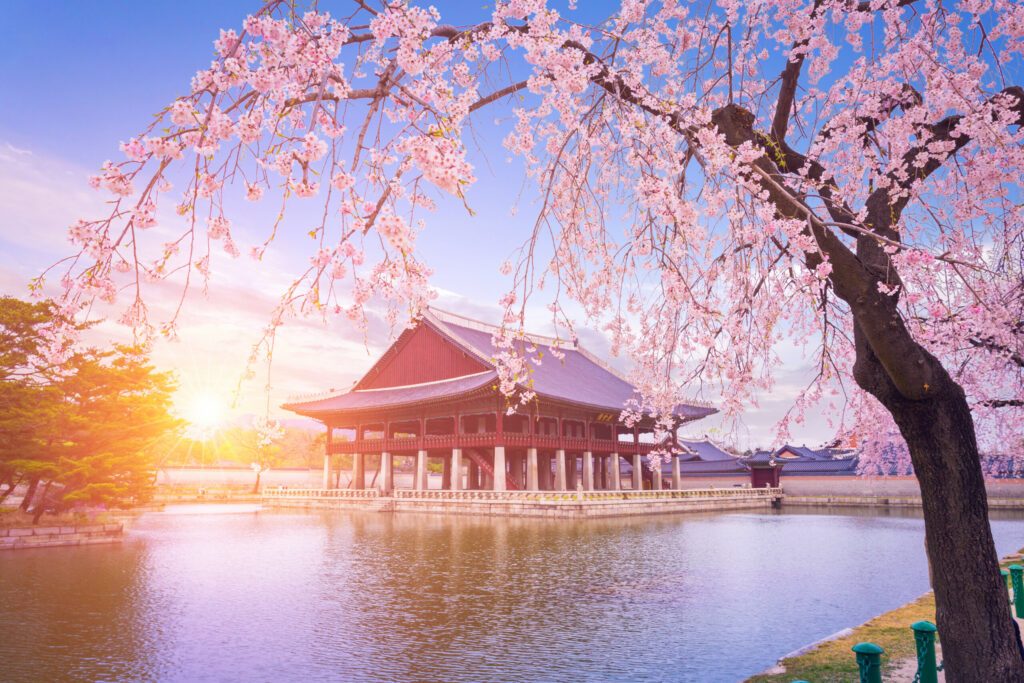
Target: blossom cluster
[{"x": 697, "y": 213}]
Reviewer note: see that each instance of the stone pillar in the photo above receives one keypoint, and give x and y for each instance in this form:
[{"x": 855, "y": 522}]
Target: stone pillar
[
  {"x": 560, "y": 479},
  {"x": 656, "y": 478},
  {"x": 588, "y": 471},
  {"x": 638, "y": 472},
  {"x": 677, "y": 476},
  {"x": 421, "y": 481},
  {"x": 358, "y": 471},
  {"x": 327, "y": 471},
  {"x": 613, "y": 465},
  {"x": 499, "y": 468},
  {"x": 532, "y": 474},
  {"x": 472, "y": 475},
  {"x": 601, "y": 473},
  {"x": 456, "y": 469},
  {"x": 387, "y": 473}
]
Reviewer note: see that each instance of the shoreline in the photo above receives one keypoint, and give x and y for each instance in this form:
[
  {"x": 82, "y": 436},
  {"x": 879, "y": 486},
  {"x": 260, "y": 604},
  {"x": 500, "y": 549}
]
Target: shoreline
[{"x": 831, "y": 659}]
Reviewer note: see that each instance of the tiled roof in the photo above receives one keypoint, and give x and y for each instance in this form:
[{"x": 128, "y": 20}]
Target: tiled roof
[
  {"x": 705, "y": 450},
  {"x": 392, "y": 396},
  {"x": 810, "y": 467},
  {"x": 578, "y": 377},
  {"x": 760, "y": 458},
  {"x": 806, "y": 453},
  {"x": 733, "y": 466},
  {"x": 806, "y": 465}
]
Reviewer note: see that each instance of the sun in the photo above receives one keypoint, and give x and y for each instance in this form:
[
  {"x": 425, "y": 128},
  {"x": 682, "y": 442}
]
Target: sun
[{"x": 204, "y": 412}]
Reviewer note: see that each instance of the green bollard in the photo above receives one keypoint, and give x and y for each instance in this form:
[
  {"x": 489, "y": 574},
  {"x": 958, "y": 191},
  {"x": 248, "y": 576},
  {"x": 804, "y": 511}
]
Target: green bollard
[
  {"x": 1017, "y": 577},
  {"x": 924, "y": 638},
  {"x": 869, "y": 662},
  {"x": 1006, "y": 577}
]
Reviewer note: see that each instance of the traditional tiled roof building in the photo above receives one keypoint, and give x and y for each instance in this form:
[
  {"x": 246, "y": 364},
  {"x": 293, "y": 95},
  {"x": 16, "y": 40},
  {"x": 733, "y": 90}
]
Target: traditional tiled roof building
[
  {"x": 433, "y": 396},
  {"x": 804, "y": 461}
]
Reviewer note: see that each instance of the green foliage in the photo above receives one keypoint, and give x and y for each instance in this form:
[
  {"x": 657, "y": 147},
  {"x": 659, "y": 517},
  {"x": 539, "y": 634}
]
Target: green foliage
[{"x": 85, "y": 426}]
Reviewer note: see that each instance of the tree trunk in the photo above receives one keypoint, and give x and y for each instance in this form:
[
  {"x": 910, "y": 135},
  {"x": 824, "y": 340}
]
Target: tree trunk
[
  {"x": 41, "y": 505},
  {"x": 29, "y": 494},
  {"x": 11, "y": 485},
  {"x": 256, "y": 486},
  {"x": 979, "y": 641},
  {"x": 972, "y": 611}
]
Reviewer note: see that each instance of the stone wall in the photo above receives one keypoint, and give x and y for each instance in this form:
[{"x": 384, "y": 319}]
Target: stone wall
[
  {"x": 884, "y": 491},
  {"x": 589, "y": 509},
  {"x": 528, "y": 508},
  {"x": 854, "y": 487},
  {"x": 52, "y": 536}
]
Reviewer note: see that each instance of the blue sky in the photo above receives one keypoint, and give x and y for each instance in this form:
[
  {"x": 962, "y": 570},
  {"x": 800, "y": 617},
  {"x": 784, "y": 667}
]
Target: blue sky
[{"x": 78, "y": 78}]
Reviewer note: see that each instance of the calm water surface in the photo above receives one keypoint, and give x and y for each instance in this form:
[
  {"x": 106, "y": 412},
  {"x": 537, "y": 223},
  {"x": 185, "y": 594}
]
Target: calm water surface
[{"x": 231, "y": 593}]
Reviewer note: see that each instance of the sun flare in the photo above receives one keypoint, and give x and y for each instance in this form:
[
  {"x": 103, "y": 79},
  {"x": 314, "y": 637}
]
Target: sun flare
[{"x": 205, "y": 413}]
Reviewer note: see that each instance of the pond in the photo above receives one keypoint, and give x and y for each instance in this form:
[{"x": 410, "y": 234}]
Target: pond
[{"x": 235, "y": 593}]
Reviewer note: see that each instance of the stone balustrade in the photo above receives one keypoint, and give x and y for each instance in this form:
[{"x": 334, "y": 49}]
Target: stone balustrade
[
  {"x": 591, "y": 496},
  {"x": 358, "y": 494},
  {"x": 516, "y": 496},
  {"x": 567, "y": 504}
]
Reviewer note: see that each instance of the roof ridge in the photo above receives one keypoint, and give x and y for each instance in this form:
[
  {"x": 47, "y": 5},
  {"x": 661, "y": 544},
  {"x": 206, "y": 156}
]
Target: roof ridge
[
  {"x": 437, "y": 316},
  {"x": 482, "y": 326},
  {"x": 708, "y": 440}
]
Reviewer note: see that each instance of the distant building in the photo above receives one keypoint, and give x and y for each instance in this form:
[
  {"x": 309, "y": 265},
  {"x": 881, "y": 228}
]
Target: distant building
[{"x": 805, "y": 461}]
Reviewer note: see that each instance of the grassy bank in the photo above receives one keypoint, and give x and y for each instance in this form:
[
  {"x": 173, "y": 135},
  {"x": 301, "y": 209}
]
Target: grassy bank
[{"x": 834, "y": 662}]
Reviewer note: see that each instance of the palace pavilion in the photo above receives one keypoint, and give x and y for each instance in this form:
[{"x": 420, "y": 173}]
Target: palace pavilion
[{"x": 433, "y": 397}]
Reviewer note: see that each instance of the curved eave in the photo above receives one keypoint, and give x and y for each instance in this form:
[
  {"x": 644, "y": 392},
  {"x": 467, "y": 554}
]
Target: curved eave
[
  {"x": 686, "y": 411},
  {"x": 393, "y": 397}
]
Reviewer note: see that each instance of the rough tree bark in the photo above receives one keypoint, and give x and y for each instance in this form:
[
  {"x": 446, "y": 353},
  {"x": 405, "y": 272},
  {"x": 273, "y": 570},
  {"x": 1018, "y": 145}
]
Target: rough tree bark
[
  {"x": 973, "y": 615},
  {"x": 41, "y": 506},
  {"x": 11, "y": 485},
  {"x": 29, "y": 494}
]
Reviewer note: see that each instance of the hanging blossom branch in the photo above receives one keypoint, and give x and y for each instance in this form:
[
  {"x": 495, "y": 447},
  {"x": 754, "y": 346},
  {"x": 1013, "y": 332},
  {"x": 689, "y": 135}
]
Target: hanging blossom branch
[{"x": 704, "y": 190}]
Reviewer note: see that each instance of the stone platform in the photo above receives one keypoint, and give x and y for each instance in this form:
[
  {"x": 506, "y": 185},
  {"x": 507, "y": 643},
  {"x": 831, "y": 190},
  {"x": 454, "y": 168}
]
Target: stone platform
[{"x": 561, "y": 504}]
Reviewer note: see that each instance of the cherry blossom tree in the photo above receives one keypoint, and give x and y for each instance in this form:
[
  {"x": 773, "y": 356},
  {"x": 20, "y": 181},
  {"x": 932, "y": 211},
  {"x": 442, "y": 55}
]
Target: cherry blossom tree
[{"x": 714, "y": 179}]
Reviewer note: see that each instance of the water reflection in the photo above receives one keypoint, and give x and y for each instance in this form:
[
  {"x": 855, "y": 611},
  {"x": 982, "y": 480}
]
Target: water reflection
[{"x": 276, "y": 595}]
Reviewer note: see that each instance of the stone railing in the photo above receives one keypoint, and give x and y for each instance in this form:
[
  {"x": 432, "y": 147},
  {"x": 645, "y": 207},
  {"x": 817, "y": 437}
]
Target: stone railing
[
  {"x": 280, "y": 492},
  {"x": 589, "y": 496},
  {"x": 522, "y": 496}
]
